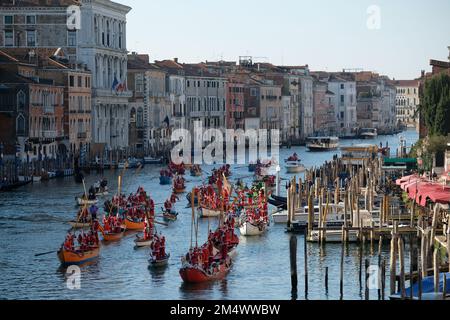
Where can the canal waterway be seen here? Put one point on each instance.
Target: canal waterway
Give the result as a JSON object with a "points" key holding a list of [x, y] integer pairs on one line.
{"points": [[34, 220]]}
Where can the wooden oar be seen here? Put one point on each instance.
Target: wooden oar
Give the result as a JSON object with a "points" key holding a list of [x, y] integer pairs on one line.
{"points": [[45, 253], [161, 223]]}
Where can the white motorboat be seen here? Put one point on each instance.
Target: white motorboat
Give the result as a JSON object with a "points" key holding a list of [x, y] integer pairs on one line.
{"points": [[322, 143], [368, 133], [294, 167]]}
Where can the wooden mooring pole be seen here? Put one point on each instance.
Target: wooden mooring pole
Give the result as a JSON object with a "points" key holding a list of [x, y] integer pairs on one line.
{"points": [[366, 286], [306, 267], [293, 258]]}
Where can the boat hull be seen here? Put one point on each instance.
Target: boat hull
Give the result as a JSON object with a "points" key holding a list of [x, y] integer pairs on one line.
{"points": [[159, 263], [249, 230], [194, 275], [295, 169], [131, 225], [170, 217], [73, 258], [321, 149], [196, 173], [209, 213], [79, 225], [82, 202], [178, 191], [140, 242], [113, 236]]}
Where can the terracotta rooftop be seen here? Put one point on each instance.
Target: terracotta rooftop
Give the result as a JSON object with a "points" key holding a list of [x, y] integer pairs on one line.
{"points": [[406, 83]]}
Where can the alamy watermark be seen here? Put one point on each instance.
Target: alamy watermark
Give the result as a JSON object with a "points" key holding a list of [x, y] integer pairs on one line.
{"points": [[374, 17], [73, 278], [207, 146], [73, 18]]}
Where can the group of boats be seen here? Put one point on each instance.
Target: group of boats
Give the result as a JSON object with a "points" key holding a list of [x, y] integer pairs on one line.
{"points": [[122, 214], [133, 163]]}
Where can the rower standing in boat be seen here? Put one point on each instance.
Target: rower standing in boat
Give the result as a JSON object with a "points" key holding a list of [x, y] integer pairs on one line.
{"points": [[93, 211], [174, 198]]}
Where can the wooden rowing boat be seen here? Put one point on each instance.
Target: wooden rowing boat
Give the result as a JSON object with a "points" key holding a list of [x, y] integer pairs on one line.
{"points": [[209, 213], [86, 202], [131, 225], [170, 216], [141, 242], [113, 236], [249, 229], [155, 263], [195, 275], [180, 190], [79, 225], [77, 257]]}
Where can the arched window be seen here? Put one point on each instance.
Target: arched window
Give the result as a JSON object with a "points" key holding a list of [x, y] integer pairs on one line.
{"points": [[21, 99], [133, 115], [20, 125], [108, 32], [140, 118], [120, 36]]}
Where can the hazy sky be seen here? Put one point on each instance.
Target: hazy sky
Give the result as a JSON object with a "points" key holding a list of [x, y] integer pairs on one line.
{"points": [[325, 34]]}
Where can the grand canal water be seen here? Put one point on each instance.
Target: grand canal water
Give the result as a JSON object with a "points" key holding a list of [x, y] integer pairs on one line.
{"points": [[34, 220]]}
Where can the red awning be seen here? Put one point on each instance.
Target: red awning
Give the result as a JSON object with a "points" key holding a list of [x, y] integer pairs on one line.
{"points": [[420, 189]]}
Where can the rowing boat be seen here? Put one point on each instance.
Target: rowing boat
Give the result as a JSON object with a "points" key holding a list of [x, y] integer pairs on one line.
{"points": [[157, 263], [131, 225], [192, 274], [68, 257], [249, 229], [170, 216], [84, 202], [113, 236], [179, 190], [294, 167], [79, 225], [209, 213], [141, 242]]}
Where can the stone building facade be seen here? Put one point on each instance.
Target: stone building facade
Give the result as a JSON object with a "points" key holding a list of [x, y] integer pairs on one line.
{"points": [[407, 102], [102, 47]]}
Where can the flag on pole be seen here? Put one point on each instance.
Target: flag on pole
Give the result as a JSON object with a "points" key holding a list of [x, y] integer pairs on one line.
{"points": [[115, 84]]}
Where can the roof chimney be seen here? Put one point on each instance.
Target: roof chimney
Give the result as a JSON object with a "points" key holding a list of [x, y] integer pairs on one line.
{"points": [[175, 60], [423, 73]]}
